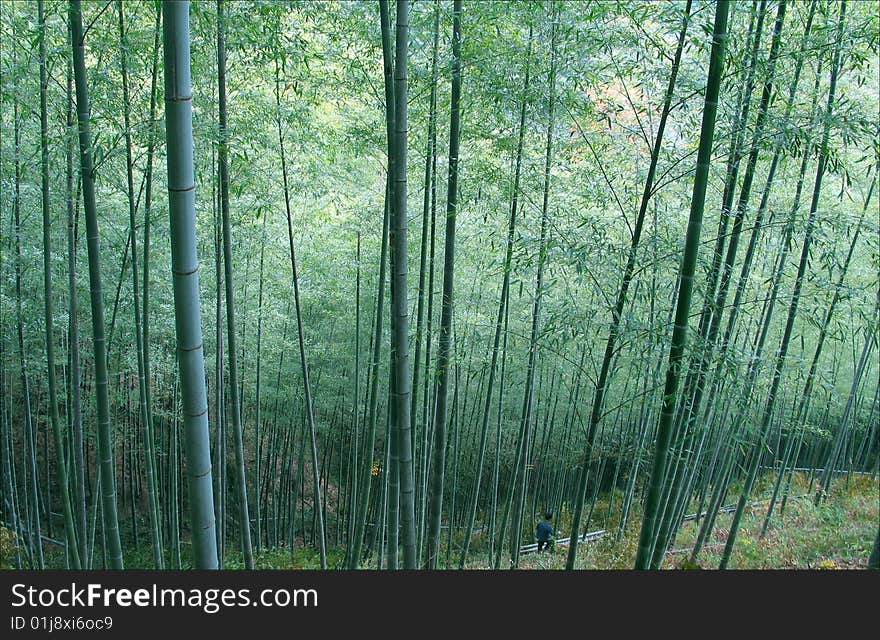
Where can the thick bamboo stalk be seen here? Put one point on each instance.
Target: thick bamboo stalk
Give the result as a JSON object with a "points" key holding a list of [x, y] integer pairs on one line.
{"points": [[184, 265]]}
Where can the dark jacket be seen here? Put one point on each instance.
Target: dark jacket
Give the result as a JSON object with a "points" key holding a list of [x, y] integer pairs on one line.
{"points": [[545, 531]]}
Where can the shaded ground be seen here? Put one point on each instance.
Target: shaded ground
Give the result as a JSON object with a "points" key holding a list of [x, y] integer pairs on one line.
{"points": [[838, 534]]}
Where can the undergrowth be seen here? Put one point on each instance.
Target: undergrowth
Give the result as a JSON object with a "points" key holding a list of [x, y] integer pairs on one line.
{"points": [[836, 534]]}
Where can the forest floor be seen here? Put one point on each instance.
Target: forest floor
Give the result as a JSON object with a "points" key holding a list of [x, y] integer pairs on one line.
{"points": [[837, 534]]}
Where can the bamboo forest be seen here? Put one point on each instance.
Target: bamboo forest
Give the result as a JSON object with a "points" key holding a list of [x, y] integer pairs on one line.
{"points": [[439, 284]]}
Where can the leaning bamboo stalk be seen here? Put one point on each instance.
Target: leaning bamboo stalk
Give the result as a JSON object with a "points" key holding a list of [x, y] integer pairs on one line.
{"points": [[686, 277], [105, 444], [60, 463]]}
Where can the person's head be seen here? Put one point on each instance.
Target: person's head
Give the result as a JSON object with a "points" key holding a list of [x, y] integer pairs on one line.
{"points": [[548, 515]]}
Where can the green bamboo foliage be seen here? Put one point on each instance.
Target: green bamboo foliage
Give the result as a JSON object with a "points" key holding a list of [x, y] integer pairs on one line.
{"points": [[373, 395], [220, 435], [184, 268], [399, 307], [7, 460], [686, 280], [726, 467], [742, 203], [443, 349], [258, 437], [7, 487], [427, 400], [808, 383], [309, 407], [767, 414], [105, 443], [765, 197], [29, 456], [529, 396], [74, 368], [676, 493], [837, 452], [427, 211], [771, 171], [60, 464], [503, 305], [352, 506], [307, 387], [389, 469], [140, 344], [735, 155], [392, 476], [364, 488], [148, 212], [581, 124], [222, 156], [174, 489], [617, 313]]}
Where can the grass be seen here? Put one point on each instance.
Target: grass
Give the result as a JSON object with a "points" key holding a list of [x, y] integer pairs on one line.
{"points": [[837, 534]]}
